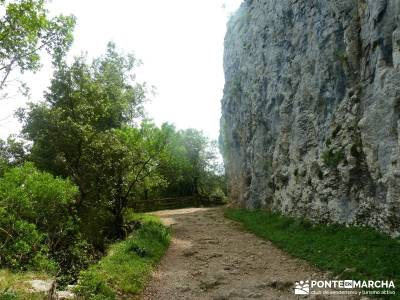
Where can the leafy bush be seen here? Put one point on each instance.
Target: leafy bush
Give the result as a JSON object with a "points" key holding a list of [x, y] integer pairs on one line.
{"points": [[74, 255], [92, 286], [37, 223], [23, 245], [39, 198]]}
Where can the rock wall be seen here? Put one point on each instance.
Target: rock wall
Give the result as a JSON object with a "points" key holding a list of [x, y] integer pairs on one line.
{"points": [[311, 109]]}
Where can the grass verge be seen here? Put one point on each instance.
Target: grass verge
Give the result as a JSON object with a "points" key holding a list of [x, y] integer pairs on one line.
{"points": [[128, 264], [357, 253], [15, 285]]}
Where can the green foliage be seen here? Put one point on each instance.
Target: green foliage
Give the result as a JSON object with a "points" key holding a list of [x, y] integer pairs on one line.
{"points": [[25, 30], [128, 264], [13, 152], [23, 246], [38, 227], [84, 130], [73, 255], [92, 286], [125, 166], [8, 295], [372, 255], [189, 165], [15, 285], [38, 198], [34, 216], [332, 158]]}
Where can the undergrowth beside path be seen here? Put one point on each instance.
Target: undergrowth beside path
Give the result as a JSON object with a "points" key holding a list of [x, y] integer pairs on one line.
{"points": [[15, 285], [128, 264]]}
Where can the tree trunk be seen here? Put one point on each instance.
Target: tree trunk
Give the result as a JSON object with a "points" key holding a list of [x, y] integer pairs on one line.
{"points": [[119, 226]]}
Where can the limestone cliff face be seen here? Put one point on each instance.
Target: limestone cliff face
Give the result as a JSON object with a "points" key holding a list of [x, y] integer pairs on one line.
{"points": [[311, 109]]}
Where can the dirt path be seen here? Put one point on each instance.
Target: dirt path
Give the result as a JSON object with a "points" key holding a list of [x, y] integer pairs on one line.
{"points": [[213, 258]]}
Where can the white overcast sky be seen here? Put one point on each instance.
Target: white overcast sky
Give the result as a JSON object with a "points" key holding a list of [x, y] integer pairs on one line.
{"points": [[179, 41]]}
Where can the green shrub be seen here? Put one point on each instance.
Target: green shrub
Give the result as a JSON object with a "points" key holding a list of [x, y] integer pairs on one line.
{"points": [[8, 294], [39, 198], [22, 246], [74, 256], [3, 166], [92, 286], [38, 226]]}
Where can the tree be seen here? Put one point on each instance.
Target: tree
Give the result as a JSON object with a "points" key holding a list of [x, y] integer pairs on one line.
{"points": [[84, 130], [84, 101], [127, 166], [195, 144], [174, 166], [26, 30], [190, 165], [13, 152]]}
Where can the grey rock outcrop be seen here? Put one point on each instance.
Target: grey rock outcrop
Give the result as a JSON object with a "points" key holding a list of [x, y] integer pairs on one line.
{"points": [[311, 109], [45, 287], [48, 289], [61, 295]]}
